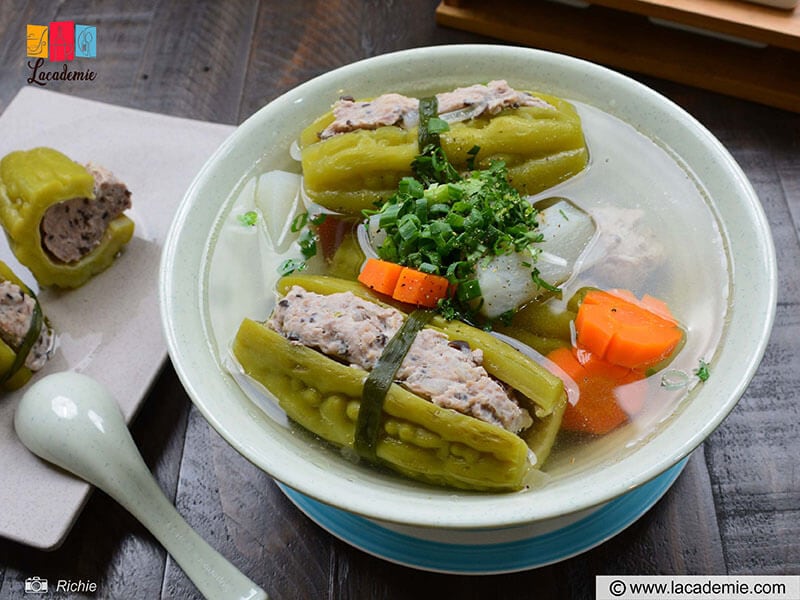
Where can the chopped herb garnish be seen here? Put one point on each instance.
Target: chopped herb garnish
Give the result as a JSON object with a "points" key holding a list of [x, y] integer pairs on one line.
{"points": [[290, 265], [506, 318], [299, 222], [432, 166], [542, 283], [308, 243], [428, 111], [249, 218], [307, 240], [702, 371], [437, 125], [446, 224], [318, 219]]}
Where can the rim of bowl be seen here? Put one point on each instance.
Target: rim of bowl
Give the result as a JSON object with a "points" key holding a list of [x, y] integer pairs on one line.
{"points": [[752, 260]]}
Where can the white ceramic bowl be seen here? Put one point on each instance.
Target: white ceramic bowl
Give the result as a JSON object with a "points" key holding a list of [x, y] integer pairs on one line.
{"points": [[262, 142]]}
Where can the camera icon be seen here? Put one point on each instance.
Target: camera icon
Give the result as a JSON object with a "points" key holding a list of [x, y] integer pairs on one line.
{"points": [[35, 585]]}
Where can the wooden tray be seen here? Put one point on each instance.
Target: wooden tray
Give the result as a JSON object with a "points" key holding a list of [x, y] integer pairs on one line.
{"points": [[729, 46]]}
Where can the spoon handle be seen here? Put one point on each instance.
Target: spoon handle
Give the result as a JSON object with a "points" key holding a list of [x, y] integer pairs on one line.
{"points": [[213, 575], [72, 421]]}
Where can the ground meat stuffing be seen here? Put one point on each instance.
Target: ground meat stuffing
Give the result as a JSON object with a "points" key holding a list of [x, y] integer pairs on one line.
{"points": [[492, 98], [73, 228], [396, 109], [355, 331], [389, 109], [16, 311], [627, 248]]}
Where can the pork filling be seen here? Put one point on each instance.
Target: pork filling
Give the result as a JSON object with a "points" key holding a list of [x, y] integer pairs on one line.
{"points": [[73, 228], [355, 331], [396, 109], [16, 312]]}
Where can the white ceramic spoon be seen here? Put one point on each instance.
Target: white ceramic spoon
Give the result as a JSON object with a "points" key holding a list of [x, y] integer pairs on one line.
{"points": [[72, 421]]}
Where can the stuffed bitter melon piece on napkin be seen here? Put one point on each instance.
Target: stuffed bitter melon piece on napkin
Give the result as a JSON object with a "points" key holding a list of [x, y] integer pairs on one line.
{"points": [[26, 339], [64, 221]]}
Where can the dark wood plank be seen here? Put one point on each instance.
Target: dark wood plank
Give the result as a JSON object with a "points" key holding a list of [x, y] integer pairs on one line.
{"points": [[751, 457], [241, 512], [300, 41], [178, 58], [14, 17]]}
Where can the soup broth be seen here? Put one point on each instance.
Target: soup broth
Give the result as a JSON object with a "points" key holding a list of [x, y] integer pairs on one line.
{"points": [[657, 234]]}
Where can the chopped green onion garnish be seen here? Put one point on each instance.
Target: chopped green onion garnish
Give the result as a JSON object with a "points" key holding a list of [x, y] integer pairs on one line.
{"points": [[388, 216], [308, 243], [299, 222], [318, 219], [408, 227], [468, 290], [428, 109], [427, 267], [290, 265], [249, 218], [444, 223], [542, 283], [702, 371], [437, 125]]}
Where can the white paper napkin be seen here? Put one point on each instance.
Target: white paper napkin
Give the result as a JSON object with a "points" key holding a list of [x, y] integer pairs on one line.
{"points": [[111, 327]]}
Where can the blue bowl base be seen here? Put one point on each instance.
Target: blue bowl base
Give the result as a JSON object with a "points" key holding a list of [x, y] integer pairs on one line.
{"points": [[488, 558]]}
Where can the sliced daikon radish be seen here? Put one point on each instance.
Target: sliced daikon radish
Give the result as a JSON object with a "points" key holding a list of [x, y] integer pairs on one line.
{"points": [[278, 199], [567, 231], [506, 282]]}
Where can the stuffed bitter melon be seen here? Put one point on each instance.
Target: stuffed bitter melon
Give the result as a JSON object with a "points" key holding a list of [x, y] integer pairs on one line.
{"points": [[542, 144], [63, 221], [418, 438], [26, 339]]}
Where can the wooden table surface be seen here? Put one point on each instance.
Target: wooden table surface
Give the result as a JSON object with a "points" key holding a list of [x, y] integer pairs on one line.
{"points": [[736, 507]]}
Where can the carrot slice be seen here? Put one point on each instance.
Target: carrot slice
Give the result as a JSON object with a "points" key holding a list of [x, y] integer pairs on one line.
{"points": [[626, 333], [422, 289], [404, 284], [648, 302], [380, 275], [598, 409]]}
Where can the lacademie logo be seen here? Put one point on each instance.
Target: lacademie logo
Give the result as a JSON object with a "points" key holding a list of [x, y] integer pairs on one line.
{"points": [[61, 41]]}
